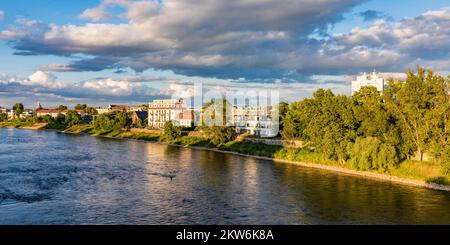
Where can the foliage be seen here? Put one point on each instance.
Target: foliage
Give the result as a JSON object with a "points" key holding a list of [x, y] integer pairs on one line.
{"points": [[216, 112], [72, 118], [171, 131], [61, 107], [112, 121], [81, 107], [3, 117], [372, 154], [409, 117], [18, 109], [91, 111], [219, 135]]}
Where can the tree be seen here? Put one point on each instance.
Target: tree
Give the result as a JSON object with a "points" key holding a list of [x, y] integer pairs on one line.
{"points": [[18, 109], [414, 103], [72, 118], [171, 131], [282, 109], [372, 154], [3, 117], [91, 111], [219, 135], [122, 120], [81, 107], [61, 107], [374, 120], [216, 112], [325, 121], [294, 122]]}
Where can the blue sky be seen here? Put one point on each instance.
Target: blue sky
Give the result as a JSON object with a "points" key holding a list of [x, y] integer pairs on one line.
{"points": [[119, 51]]}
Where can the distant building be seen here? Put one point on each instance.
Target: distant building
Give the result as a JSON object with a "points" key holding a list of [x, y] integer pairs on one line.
{"points": [[256, 121], [118, 108], [185, 119], [123, 108], [162, 111], [101, 110], [55, 112], [26, 114], [372, 79]]}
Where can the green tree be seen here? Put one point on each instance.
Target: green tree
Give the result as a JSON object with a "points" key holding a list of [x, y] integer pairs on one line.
{"points": [[217, 112], [372, 154], [328, 123], [61, 107], [374, 120], [18, 109], [91, 111], [219, 135], [414, 104], [171, 131], [3, 117], [282, 109], [81, 107], [72, 118], [122, 120]]}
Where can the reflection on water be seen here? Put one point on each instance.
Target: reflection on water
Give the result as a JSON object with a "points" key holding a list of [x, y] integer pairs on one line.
{"points": [[52, 178]]}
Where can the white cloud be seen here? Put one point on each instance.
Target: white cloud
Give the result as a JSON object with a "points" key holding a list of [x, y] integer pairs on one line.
{"points": [[96, 14], [2, 15], [44, 79]]}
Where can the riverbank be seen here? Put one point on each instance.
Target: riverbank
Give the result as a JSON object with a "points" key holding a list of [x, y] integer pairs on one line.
{"points": [[422, 174]]}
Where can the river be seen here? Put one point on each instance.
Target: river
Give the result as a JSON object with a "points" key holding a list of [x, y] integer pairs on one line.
{"points": [[52, 178]]}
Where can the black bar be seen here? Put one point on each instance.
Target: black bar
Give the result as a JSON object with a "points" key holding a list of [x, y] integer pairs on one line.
{"points": [[126, 234]]}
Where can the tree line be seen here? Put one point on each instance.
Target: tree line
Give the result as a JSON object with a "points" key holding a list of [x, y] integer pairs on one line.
{"points": [[375, 130]]}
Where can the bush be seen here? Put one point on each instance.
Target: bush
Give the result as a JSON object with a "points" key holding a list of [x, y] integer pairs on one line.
{"points": [[219, 135], [372, 154], [3, 117], [171, 131]]}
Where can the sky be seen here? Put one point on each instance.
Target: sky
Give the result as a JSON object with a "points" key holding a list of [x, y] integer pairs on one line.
{"points": [[131, 52]]}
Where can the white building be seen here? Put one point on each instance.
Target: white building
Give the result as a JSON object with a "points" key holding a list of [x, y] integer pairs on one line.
{"points": [[184, 119], [256, 121], [372, 79], [162, 111]]}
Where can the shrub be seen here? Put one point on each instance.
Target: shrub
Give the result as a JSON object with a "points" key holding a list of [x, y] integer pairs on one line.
{"points": [[372, 154]]}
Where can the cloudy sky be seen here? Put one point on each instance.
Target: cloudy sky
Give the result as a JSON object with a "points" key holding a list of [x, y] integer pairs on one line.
{"points": [[124, 51]]}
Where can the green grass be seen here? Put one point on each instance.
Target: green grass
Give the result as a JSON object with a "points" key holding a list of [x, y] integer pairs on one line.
{"points": [[17, 124], [421, 170], [257, 149]]}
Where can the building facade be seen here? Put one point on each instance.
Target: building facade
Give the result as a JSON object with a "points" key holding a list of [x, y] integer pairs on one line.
{"points": [[372, 79], [55, 112], [162, 111], [184, 119], [256, 121]]}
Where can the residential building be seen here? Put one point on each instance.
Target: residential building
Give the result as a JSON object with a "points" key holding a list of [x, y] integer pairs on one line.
{"points": [[112, 108], [118, 108], [55, 112], [162, 111], [101, 110], [26, 113], [373, 79], [185, 119], [256, 121]]}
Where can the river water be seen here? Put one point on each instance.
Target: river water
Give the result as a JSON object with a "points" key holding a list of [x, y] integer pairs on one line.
{"points": [[52, 178]]}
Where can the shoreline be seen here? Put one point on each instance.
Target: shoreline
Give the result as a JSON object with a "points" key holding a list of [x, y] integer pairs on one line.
{"points": [[362, 174]]}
